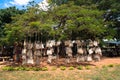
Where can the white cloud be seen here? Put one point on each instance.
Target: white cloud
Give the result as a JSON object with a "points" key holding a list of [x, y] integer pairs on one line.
{"points": [[19, 2], [44, 5], [7, 5]]}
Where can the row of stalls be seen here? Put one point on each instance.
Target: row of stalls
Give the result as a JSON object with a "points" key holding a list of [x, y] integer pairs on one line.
{"points": [[32, 53]]}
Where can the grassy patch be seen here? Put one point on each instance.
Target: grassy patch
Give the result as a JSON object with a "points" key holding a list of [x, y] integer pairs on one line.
{"points": [[110, 65], [8, 68], [36, 69], [104, 73], [104, 66], [63, 68], [71, 68], [87, 67], [44, 69], [21, 68], [80, 67], [54, 68]]}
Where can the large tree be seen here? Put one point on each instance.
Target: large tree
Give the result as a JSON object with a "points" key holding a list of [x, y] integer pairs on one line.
{"points": [[68, 20], [5, 18], [80, 21], [111, 15], [33, 21]]}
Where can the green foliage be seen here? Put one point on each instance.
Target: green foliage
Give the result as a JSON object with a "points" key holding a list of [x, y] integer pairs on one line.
{"points": [[94, 74], [8, 68], [7, 14], [28, 69], [71, 68], [21, 68], [36, 69], [5, 18], [44, 69], [107, 4], [110, 65], [106, 73], [104, 66], [80, 67], [62, 68], [22, 26], [54, 68], [87, 67], [70, 19], [77, 20]]}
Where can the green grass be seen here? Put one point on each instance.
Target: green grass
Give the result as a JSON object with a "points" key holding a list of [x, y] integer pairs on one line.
{"points": [[63, 68], [111, 65], [20, 68], [54, 68], [80, 67], [87, 67], [71, 68], [104, 73], [44, 69]]}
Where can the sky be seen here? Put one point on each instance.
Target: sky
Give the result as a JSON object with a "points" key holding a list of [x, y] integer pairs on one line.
{"points": [[18, 3]]}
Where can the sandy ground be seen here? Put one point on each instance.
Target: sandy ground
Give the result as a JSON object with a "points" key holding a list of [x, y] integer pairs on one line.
{"points": [[107, 61], [59, 74], [104, 61]]}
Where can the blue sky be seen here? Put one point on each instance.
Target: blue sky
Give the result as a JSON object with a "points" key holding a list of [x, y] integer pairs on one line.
{"points": [[17, 3]]}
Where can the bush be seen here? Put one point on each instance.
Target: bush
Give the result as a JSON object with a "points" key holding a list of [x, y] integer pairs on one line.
{"points": [[80, 67], [87, 67], [111, 65], [71, 68], [63, 68], [21, 68], [44, 69], [28, 69], [104, 66], [16, 68], [8, 68], [36, 69], [54, 68]]}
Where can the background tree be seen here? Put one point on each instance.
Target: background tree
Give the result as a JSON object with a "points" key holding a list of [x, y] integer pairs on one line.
{"points": [[5, 18], [68, 19], [75, 20], [112, 15], [33, 21]]}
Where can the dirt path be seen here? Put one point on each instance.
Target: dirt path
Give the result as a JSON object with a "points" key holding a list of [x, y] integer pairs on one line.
{"points": [[107, 61], [104, 61]]}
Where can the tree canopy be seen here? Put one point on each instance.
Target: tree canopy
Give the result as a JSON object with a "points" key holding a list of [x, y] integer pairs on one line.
{"points": [[68, 19], [6, 18]]}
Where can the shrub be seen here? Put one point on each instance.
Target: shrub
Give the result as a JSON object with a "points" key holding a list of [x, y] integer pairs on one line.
{"points": [[111, 65], [21, 68], [36, 69], [54, 68], [71, 68], [96, 67], [80, 67], [87, 67], [104, 66], [16, 68], [8, 68], [44, 69], [63, 68], [28, 69]]}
